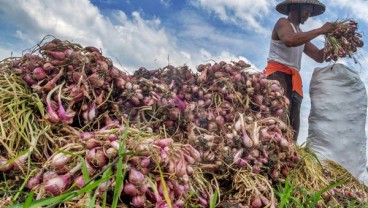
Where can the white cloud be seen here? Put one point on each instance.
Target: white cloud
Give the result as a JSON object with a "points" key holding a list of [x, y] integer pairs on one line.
{"points": [[165, 3], [197, 28], [350, 9], [71, 20], [245, 14]]}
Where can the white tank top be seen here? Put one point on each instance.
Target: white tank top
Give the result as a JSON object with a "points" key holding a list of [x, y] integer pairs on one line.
{"points": [[289, 56]]}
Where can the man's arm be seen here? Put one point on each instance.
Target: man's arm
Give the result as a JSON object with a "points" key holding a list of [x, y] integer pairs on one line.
{"points": [[286, 34], [312, 51]]}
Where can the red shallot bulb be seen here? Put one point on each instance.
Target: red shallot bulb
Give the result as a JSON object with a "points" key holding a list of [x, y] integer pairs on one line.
{"points": [[60, 160], [138, 201], [92, 143], [38, 73], [203, 201], [3, 166], [111, 153], [96, 157], [57, 185], [35, 180], [145, 162], [56, 54], [130, 189], [135, 177], [48, 175], [48, 67], [256, 202], [163, 142], [79, 182]]}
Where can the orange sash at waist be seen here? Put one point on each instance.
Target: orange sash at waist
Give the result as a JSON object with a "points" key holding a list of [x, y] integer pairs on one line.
{"points": [[296, 79]]}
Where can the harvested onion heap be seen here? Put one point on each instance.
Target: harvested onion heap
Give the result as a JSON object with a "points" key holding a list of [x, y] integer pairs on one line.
{"points": [[229, 115], [344, 41], [223, 120], [143, 186], [226, 113], [75, 83]]}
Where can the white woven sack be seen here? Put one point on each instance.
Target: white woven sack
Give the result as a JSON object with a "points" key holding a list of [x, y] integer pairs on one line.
{"points": [[337, 118]]}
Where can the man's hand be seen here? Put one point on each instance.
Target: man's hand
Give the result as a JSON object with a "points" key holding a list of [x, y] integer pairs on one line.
{"points": [[327, 27]]}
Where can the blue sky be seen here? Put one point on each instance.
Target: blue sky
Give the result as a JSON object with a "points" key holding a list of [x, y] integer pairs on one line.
{"points": [[154, 33]]}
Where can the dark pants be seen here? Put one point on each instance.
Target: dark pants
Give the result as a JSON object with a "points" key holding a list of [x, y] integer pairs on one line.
{"points": [[294, 98]]}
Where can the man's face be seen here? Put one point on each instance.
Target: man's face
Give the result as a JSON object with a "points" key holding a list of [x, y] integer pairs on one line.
{"points": [[306, 11]]}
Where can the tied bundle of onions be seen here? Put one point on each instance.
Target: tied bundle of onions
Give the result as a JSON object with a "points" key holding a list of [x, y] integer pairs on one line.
{"points": [[343, 41]]}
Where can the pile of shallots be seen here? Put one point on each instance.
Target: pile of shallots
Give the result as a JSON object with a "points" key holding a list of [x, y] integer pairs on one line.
{"points": [[142, 185], [221, 119], [229, 115], [76, 84]]}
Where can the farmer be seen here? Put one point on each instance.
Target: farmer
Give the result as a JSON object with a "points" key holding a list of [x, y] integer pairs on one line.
{"points": [[288, 43]]}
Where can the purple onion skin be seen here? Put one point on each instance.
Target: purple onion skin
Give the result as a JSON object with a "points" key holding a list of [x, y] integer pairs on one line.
{"points": [[39, 73], [49, 175], [179, 204], [5, 168], [203, 202], [130, 189], [35, 180], [60, 160], [162, 204], [96, 157], [135, 177], [138, 201], [51, 115], [79, 182], [57, 55], [57, 185]]}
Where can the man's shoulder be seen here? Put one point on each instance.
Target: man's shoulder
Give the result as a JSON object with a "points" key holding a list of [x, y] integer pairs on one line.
{"points": [[282, 22], [283, 19]]}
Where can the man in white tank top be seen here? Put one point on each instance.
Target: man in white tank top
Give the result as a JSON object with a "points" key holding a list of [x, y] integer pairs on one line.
{"points": [[288, 43]]}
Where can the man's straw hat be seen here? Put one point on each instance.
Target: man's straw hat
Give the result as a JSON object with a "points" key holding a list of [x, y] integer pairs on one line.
{"points": [[318, 7]]}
